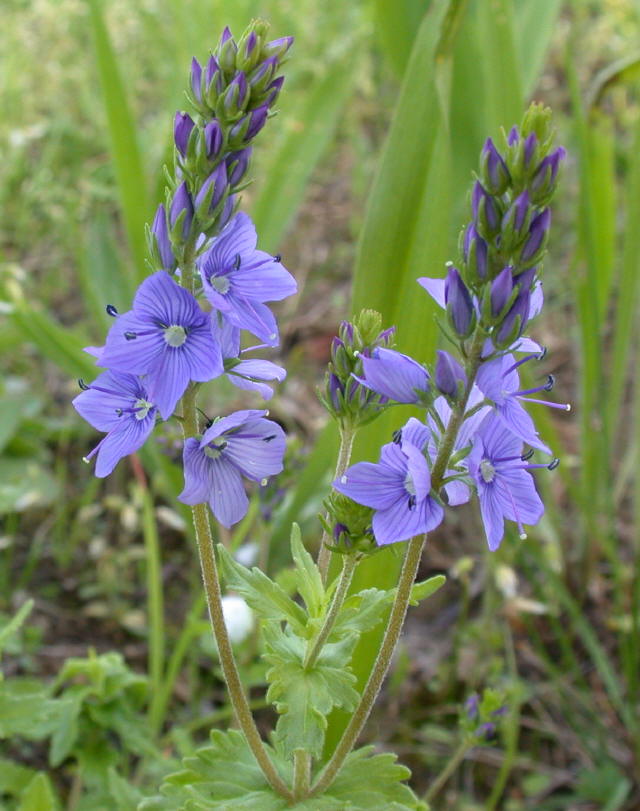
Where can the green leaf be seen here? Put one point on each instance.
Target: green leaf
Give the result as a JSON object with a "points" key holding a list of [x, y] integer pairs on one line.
{"points": [[361, 612], [266, 598], [66, 730], [38, 795], [122, 793], [420, 591], [26, 709], [373, 783], [304, 697], [16, 405], [13, 626], [535, 22], [24, 483], [222, 775], [395, 27], [125, 151], [309, 581], [311, 128]]}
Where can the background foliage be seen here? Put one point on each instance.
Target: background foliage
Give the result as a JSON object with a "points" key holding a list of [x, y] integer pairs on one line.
{"points": [[361, 185]]}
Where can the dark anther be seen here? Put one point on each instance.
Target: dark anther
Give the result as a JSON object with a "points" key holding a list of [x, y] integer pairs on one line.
{"points": [[83, 385], [277, 258], [412, 502], [268, 438], [526, 456], [111, 310], [553, 464], [543, 353], [397, 436], [130, 336], [119, 412], [551, 381], [236, 263]]}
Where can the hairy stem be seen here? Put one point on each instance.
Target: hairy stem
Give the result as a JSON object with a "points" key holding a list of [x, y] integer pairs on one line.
{"points": [[213, 592], [301, 773], [383, 660], [347, 435], [348, 568], [407, 576]]}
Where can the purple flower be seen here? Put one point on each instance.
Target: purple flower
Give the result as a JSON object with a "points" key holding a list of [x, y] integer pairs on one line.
{"points": [[475, 252], [537, 238], [459, 304], [496, 174], [165, 336], [249, 374], [277, 47], [249, 125], [501, 289], [181, 210], [237, 279], [505, 488], [394, 375], [242, 444], [213, 139], [237, 165], [119, 405], [544, 178], [499, 381], [196, 79], [211, 192], [397, 488]]}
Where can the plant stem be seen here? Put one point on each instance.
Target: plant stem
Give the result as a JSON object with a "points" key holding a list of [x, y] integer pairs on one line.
{"points": [[301, 773], [446, 773], [213, 593], [347, 435], [383, 660], [348, 568], [407, 576]]}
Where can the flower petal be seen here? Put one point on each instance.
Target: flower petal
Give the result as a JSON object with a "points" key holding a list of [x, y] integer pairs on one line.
{"points": [[256, 449], [374, 485], [122, 441], [227, 498], [435, 288], [492, 515]]}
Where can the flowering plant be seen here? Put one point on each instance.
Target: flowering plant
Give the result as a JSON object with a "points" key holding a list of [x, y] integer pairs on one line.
{"points": [[209, 283]]}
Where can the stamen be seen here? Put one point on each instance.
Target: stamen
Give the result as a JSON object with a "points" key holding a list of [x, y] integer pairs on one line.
{"points": [[507, 459], [83, 385], [411, 502], [396, 436], [561, 406], [130, 336], [535, 356], [543, 354], [277, 258], [236, 262], [526, 456], [111, 310], [546, 387], [268, 438], [553, 464]]}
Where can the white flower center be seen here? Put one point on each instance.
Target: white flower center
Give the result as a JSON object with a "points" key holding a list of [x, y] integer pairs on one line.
{"points": [[142, 408], [409, 486], [220, 283], [487, 471], [213, 451], [175, 335]]}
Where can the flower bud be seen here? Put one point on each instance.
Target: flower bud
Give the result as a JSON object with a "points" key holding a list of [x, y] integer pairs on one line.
{"points": [[486, 213], [277, 48], [248, 50], [529, 149], [513, 137], [515, 223], [182, 128], [263, 74], [226, 52], [213, 139], [501, 289], [459, 304], [336, 392], [181, 213], [211, 192], [536, 241], [214, 82], [273, 91], [237, 165], [196, 79], [515, 320], [161, 241], [234, 99], [474, 251], [449, 376], [543, 182], [495, 175], [249, 126]]}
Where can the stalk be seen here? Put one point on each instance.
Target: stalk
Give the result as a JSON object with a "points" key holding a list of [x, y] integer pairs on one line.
{"points": [[213, 592], [403, 593], [347, 435]]}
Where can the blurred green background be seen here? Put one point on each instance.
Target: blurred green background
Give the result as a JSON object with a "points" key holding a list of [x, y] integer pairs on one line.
{"points": [[361, 184]]}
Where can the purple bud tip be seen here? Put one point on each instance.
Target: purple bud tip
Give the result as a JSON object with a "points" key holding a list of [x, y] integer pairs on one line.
{"points": [[196, 79], [513, 137], [237, 165], [338, 531], [161, 233], [226, 35], [386, 336], [336, 389], [181, 202], [212, 68], [252, 41], [530, 143], [448, 373], [213, 139], [215, 186], [458, 301], [472, 704], [501, 289], [537, 233], [521, 206], [336, 344], [182, 127]]}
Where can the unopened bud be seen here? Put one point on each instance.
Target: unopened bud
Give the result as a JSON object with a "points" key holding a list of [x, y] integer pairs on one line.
{"points": [[449, 375], [459, 304], [495, 175]]}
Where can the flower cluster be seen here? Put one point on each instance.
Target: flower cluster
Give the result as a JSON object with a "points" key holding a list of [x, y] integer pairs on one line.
{"points": [[210, 282], [476, 425]]}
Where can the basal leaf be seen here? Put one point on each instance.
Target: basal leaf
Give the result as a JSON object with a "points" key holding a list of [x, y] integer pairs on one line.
{"points": [[266, 598], [420, 591], [38, 795], [13, 626]]}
